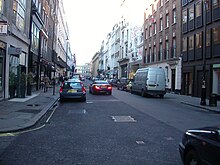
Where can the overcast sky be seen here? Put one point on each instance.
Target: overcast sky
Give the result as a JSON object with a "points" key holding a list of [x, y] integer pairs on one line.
{"points": [[89, 21]]}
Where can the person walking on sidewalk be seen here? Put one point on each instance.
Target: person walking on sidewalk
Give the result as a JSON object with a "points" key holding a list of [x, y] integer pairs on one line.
{"points": [[46, 83]]}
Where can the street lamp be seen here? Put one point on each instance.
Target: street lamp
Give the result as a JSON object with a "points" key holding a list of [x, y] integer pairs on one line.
{"points": [[203, 94]]}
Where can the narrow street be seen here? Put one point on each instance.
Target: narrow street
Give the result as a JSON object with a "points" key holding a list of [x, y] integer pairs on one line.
{"points": [[122, 129]]}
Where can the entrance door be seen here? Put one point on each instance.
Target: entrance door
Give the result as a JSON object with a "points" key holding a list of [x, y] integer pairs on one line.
{"points": [[173, 79]]}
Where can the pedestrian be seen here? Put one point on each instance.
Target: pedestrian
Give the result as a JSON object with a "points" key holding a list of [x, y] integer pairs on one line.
{"points": [[61, 80], [46, 83]]}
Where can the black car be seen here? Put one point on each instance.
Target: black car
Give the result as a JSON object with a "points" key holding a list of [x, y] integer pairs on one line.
{"points": [[122, 83], [201, 146]]}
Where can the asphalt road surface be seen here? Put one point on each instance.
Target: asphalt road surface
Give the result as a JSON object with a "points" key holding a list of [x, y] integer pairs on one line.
{"points": [[121, 129]]}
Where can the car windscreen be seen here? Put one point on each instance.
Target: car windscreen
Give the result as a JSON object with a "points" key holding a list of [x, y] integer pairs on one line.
{"points": [[101, 82], [71, 85]]}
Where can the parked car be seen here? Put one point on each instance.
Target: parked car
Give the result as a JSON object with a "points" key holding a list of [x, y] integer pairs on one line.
{"points": [[201, 146], [100, 86], [150, 81], [113, 82], [129, 86], [72, 89], [122, 83]]}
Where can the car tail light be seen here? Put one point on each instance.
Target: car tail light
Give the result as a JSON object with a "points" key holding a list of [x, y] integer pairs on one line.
{"points": [[109, 87], [83, 89], [97, 87], [61, 89]]}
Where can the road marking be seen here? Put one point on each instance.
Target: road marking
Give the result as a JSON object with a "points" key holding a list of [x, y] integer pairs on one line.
{"points": [[7, 134], [123, 119], [89, 102], [140, 142]]}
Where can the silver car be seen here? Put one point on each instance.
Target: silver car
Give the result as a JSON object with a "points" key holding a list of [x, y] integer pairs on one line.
{"points": [[72, 89]]}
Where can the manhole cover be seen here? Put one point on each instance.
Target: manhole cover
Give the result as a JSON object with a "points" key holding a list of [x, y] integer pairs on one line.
{"points": [[29, 111], [78, 111], [33, 105], [123, 119]]}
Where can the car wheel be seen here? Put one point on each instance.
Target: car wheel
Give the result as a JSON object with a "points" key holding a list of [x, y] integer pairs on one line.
{"points": [[142, 93], [110, 93], [161, 96], [84, 99], [192, 158], [131, 91], [61, 100]]}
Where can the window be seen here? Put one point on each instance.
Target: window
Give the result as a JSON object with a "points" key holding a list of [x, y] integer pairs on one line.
{"points": [[199, 40], [167, 20], [184, 46], [35, 38], [198, 9], [19, 7], [174, 16], [1, 6], [161, 3], [150, 31], [191, 42], [167, 50], [146, 34], [150, 52], [161, 24], [174, 48], [208, 37], [154, 28], [126, 50], [155, 53], [191, 13], [184, 16], [216, 3], [216, 35], [161, 52]]}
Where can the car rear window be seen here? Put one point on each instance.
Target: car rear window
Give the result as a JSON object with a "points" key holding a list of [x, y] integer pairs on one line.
{"points": [[71, 85], [101, 82]]}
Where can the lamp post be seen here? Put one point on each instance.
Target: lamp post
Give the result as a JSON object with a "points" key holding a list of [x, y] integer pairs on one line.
{"points": [[203, 94]]}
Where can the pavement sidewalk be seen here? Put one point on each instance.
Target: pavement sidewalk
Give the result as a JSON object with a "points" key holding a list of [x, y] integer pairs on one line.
{"points": [[20, 113]]}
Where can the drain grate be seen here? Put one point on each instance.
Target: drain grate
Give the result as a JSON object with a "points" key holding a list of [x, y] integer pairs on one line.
{"points": [[29, 111], [123, 119], [78, 111]]}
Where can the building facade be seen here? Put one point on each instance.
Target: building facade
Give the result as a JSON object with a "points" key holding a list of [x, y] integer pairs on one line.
{"points": [[29, 44], [201, 47], [162, 40]]}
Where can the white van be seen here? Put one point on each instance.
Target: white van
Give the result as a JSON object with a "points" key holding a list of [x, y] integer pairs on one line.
{"points": [[149, 81]]}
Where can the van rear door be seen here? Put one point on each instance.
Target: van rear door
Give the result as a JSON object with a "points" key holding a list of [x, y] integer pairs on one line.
{"points": [[152, 80]]}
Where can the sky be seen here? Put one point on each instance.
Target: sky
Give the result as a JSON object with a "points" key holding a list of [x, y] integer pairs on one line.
{"points": [[89, 22]]}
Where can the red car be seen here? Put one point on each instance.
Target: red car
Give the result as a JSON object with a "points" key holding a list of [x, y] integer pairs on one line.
{"points": [[100, 86]]}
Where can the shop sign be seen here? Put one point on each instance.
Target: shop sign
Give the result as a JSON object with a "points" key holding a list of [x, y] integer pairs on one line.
{"points": [[15, 51], [3, 27]]}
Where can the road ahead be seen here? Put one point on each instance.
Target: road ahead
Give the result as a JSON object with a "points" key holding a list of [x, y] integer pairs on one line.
{"points": [[122, 129]]}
